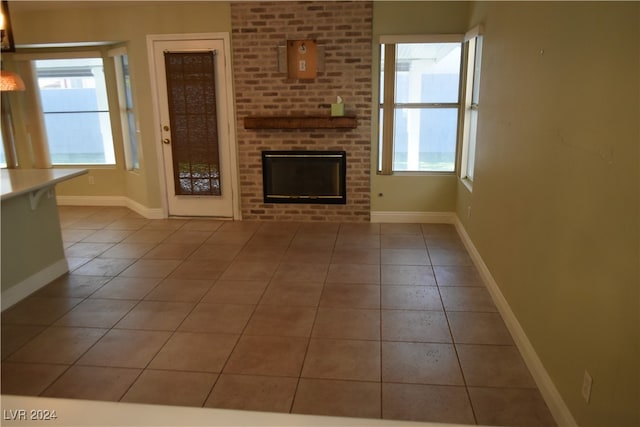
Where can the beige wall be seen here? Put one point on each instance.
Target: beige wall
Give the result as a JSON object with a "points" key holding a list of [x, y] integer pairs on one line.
{"points": [[554, 208], [415, 193], [66, 22]]}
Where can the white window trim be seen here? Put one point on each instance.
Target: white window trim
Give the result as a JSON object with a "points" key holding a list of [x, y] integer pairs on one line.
{"points": [[421, 38], [116, 53], [42, 154], [470, 39], [57, 55], [385, 161], [476, 31]]}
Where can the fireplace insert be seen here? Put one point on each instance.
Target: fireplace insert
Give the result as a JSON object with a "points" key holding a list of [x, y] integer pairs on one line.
{"points": [[304, 176]]}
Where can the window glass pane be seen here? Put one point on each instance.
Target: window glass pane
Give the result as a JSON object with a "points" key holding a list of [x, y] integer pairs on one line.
{"points": [[76, 112], [380, 133], [475, 46], [72, 143], [3, 159], [131, 128], [425, 139], [471, 150], [127, 82], [130, 138], [428, 72], [381, 74], [475, 94]]}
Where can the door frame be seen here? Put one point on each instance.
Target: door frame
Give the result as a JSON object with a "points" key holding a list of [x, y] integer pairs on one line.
{"points": [[230, 127]]}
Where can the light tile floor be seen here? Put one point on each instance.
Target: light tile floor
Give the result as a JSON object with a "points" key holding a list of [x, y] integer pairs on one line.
{"points": [[364, 320]]}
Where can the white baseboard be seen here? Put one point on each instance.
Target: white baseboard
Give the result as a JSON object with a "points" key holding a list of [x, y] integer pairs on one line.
{"points": [[547, 388], [149, 213], [91, 200], [33, 283], [413, 217]]}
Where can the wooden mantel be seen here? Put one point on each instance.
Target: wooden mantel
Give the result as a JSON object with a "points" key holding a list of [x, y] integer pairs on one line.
{"points": [[300, 122]]}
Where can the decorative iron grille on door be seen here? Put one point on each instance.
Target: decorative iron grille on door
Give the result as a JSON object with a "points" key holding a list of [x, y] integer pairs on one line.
{"points": [[194, 123]]}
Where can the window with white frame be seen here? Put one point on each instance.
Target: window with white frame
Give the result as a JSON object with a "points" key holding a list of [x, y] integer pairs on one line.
{"points": [[419, 103], [127, 113], [473, 41], [75, 108]]}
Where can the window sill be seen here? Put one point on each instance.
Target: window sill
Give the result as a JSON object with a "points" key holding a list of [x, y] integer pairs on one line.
{"points": [[105, 167], [418, 173], [467, 183]]}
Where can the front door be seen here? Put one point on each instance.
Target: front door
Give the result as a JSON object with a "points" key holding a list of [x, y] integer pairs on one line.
{"points": [[193, 88]]}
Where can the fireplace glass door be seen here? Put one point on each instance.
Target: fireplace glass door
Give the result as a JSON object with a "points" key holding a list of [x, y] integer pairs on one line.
{"points": [[304, 176]]}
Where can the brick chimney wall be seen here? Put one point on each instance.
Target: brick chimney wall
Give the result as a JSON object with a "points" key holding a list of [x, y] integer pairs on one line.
{"points": [[344, 29]]}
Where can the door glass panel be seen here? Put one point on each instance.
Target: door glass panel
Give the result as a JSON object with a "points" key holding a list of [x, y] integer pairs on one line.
{"points": [[194, 123]]}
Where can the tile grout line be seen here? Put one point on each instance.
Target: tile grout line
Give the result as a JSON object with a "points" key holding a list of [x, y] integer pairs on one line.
{"points": [[455, 349], [207, 397], [313, 324], [241, 333], [172, 334], [114, 327], [74, 363]]}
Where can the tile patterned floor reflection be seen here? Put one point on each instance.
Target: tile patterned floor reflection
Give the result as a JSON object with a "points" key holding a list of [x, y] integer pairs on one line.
{"points": [[365, 320]]}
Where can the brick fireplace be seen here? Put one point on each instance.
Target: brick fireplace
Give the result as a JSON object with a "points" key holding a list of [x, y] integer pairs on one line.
{"points": [[343, 30]]}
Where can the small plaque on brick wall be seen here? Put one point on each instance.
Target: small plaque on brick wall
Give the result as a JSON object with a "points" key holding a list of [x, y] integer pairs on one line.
{"points": [[283, 66], [302, 59]]}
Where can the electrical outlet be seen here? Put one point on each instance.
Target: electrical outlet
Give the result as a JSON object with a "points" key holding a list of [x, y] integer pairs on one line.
{"points": [[91, 180], [587, 382]]}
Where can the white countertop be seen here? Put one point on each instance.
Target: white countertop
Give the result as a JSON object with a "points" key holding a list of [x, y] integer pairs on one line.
{"points": [[14, 182]]}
